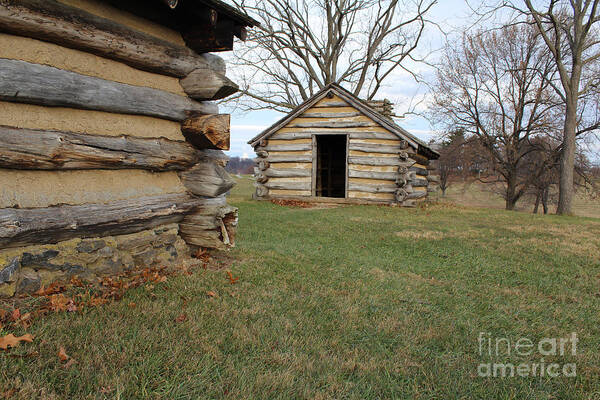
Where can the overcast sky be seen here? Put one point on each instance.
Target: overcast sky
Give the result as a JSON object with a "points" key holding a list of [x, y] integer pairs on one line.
{"points": [[400, 88]]}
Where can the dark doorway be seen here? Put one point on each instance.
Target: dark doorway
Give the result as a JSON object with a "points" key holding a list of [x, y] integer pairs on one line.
{"points": [[331, 166]]}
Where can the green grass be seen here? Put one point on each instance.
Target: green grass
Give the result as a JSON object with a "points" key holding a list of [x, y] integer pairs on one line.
{"points": [[355, 302]]}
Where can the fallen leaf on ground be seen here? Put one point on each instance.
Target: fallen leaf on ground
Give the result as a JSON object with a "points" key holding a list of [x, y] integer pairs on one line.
{"points": [[181, 318], [62, 354], [210, 293], [11, 340], [132, 305], [232, 280], [69, 363], [16, 314]]}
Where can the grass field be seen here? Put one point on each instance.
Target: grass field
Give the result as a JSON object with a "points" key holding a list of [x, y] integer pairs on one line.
{"points": [[355, 302]]}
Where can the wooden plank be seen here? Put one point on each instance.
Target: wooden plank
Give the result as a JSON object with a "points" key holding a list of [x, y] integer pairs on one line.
{"points": [[207, 178], [290, 165], [53, 150], [24, 82], [393, 161], [283, 193], [366, 197], [208, 131], [287, 173], [206, 84], [331, 124], [421, 159], [419, 182], [295, 158], [331, 114], [419, 171], [288, 185], [376, 148], [288, 147], [58, 23], [372, 174], [372, 188], [27, 226]]}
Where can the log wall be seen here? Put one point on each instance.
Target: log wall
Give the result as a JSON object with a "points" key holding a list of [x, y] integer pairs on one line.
{"points": [[285, 159], [92, 108]]}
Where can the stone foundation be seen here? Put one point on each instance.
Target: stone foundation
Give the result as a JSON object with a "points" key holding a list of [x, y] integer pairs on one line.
{"points": [[26, 269]]}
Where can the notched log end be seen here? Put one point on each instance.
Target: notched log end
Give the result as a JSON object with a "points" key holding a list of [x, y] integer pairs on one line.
{"points": [[208, 131]]}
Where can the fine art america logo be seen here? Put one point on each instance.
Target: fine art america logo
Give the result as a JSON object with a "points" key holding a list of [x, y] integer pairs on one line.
{"points": [[501, 348]]}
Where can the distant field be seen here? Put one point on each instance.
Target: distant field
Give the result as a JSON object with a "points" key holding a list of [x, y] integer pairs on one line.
{"points": [[476, 194], [352, 302]]}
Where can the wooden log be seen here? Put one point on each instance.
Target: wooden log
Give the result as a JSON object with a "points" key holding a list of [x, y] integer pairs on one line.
{"points": [[417, 195], [290, 158], [27, 226], [353, 135], [210, 228], [208, 131], [331, 124], [376, 148], [433, 178], [390, 161], [262, 153], [332, 114], [53, 150], [207, 179], [401, 195], [24, 82], [261, 177], [419, 171], [55, 22], [216, 156], [372, 188], [206, 84], [331, 103], [372, 175], [419, 182], [262, 164], [288, 185], [262, 191], [288, 147], [287, 173], [420, 159]]}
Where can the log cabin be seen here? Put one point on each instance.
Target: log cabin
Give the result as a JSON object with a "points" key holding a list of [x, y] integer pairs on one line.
{"points": [[337, 148], [111, 143]]}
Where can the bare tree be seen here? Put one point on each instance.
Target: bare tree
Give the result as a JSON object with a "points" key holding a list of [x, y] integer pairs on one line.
{"points": [[496, 86], [303, 45], [570, 31]]}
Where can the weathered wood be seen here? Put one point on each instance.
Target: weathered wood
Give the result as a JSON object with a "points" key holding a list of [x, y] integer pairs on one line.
{"points": [[343, 114], [332, 124], [331, 103], [21, 227], [376, 148], [210, 228], [391, 161], [421, 159], [24, 82], [353, 134], [416, 195], [401, 195], [419, 171], [262, 163], [217, 156], [208, 131], [287, 172], [288, 147], [419, 182], [53, 150], [54, 22], [262, 153], [262, 191], [372, 175], [433, 178], [288, 185], [206, 84], [372, 188], [290, 158], [261, 177], [207, 179]]}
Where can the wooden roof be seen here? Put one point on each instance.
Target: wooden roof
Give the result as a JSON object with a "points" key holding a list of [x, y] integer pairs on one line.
{"points": [[361, 106]]}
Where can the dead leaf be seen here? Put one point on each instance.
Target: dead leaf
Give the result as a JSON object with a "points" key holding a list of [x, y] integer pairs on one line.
{"points": [[232, 280], [71, 306], [69, 363], [62, 354], [132, 305], [210, 293], [181, 318], [11, 340], [16, 314]]}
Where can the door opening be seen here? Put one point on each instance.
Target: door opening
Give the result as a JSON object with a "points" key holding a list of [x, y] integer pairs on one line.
{"points": [[331, 166]]}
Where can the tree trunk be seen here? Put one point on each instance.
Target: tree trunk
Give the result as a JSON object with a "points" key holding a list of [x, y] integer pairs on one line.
{"points": [[511, 189], [567, 159], [545, 200], [538, 197]]}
